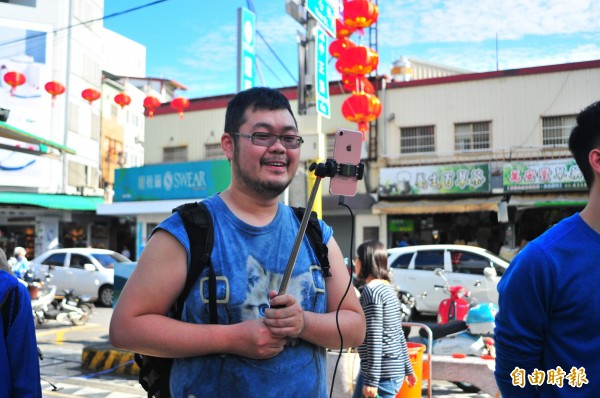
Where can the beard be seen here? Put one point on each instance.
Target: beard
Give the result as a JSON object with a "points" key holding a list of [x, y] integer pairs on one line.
{"points": [[265, 189]]}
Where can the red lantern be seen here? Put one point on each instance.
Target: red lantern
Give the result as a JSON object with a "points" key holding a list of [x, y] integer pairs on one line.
{"points": [[14, 80], [339, 45], [360, 13], [180, 104], [90, 95], [357, 84], [122, 99], [54, 88], [361, 108], [342, 30], [151, 103], [359, 60]]}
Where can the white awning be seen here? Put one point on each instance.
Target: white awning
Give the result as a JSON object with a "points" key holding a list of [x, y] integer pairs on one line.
{"points": [[141, 207], [466, 205]]}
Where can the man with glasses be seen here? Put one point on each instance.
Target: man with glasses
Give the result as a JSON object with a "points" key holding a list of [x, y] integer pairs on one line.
{"points": [[264, 344]]}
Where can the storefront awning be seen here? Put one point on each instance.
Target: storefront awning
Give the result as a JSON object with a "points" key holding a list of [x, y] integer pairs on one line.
{"points": [[466, 205], [548, 200], [63, 202], [13, 133], [141, 207]]}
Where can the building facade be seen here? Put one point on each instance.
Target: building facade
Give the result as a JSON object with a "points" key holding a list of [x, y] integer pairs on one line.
{"points": [[479, 158], [55, 150]]}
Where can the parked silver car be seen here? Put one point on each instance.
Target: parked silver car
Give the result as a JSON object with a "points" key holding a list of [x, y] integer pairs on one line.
{"points": [[476, 269], [87, 271]]}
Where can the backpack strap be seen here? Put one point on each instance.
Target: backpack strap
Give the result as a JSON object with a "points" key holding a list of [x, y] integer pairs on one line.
{"points": [[315, 237], [199, 228]]}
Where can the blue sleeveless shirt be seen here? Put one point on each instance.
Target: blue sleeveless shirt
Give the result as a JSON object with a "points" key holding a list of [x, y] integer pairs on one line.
{"points": [[249, 262]]}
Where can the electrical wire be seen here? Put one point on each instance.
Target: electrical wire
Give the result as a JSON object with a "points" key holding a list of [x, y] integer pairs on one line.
{"points": [[277, 56], [337, 312], [115, 14]]}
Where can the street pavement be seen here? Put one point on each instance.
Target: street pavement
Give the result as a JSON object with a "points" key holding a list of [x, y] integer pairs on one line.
{"points": [[63, 375]]}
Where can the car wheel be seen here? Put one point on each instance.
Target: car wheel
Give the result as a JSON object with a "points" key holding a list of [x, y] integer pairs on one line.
{"points": [[105, 296]]}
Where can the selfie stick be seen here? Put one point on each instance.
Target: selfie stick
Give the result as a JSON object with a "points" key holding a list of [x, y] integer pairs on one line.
{"points": [[327, 169], [292, 260]]}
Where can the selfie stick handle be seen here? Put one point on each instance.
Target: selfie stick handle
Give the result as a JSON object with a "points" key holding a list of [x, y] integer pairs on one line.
{"points": [[299, 236]]}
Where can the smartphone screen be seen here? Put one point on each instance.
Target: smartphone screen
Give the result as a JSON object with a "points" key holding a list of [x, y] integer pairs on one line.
{"points": [[346, 151]]}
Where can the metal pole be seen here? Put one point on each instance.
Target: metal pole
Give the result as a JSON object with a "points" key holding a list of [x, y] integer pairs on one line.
{"points": [[429, 348], [65, 168], [292, 260]]}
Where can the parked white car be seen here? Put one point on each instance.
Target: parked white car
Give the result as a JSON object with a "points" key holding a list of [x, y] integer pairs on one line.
{"points": [[476, 269], [89, 272]]}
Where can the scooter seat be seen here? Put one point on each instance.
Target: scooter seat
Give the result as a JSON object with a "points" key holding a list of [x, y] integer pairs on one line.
{"points": [[444, 329]]}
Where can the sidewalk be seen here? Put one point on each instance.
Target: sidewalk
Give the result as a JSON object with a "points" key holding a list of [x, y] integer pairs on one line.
{"points": [[106, 359]]}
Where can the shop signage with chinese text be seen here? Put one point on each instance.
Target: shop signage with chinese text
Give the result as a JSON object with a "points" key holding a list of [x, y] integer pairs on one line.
{"points": [[432, 180], [542, 175]]}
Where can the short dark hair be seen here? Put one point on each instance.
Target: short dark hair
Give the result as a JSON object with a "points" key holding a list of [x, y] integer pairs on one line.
{"points": [[373, 260], [257, 98], [585, 137]]}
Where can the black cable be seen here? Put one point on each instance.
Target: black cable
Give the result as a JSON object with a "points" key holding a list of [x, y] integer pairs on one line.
{"points": [[337, 312]]}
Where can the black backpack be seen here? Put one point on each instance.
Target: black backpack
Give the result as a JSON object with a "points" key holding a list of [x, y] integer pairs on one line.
{"points": [[155, 371]]}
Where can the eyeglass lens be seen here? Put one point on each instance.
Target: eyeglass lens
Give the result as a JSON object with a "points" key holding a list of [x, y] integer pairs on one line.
{"points": [[268, 139]]}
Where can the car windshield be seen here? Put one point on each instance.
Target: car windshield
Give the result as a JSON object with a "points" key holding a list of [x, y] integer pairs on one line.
{"points": [[108, 260]]}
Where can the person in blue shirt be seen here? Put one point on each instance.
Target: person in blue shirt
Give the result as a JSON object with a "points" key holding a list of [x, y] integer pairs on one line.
{"points": [[264, 344], [19, 263], [547, 340], [19, 362]]}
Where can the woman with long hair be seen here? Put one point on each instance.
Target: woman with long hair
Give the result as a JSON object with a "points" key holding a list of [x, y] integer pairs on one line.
{"points": [[384, 359]]}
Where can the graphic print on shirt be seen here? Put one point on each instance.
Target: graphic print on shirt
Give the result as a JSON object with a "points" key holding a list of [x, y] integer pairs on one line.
{"points": [[260, 282]]}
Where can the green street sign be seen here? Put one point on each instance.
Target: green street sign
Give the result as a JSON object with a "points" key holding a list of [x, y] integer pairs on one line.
{"points": [[324, 12]]}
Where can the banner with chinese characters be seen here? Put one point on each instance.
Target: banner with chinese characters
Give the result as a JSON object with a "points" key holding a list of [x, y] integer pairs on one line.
{"points": [[541, 175], [431, 180]]}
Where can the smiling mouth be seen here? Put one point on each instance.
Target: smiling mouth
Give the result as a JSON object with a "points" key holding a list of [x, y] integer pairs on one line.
{"points": [[275, 163]]}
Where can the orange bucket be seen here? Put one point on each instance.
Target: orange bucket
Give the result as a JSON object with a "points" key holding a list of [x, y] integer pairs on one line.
{"points": [[415, 352]]}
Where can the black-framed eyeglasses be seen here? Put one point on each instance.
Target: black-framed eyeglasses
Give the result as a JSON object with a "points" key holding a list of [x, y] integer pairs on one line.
{"points": [[268, 139]]}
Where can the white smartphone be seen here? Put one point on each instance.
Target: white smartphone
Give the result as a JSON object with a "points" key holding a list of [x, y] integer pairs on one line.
{"points": [[346, 152]]}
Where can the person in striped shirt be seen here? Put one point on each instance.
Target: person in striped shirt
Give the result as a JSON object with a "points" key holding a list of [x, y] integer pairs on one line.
{"points": [[384, 359]]}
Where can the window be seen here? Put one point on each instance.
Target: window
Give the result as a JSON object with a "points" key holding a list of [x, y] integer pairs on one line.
{"points": [[556, 130], [403, 261], [55, 260], [330, 140], [175, 154], [429, 260], [417, 139], [213, 151], [468, 263], [78, 261], [471, 136]]}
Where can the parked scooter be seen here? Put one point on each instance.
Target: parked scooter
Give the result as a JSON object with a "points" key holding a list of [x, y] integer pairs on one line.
{"points": [[68, 308], [463, 328], [457, 305], [42, 295]]}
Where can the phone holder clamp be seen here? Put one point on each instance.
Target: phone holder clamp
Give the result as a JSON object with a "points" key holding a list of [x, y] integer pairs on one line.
{"points": [[330, 168]]}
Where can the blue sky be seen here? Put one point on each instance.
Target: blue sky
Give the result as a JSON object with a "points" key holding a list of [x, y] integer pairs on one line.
{"points": [[194, 42]]}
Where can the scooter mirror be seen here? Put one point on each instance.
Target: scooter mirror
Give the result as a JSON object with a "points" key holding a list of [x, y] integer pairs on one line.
{"points": [[438, 272]]}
